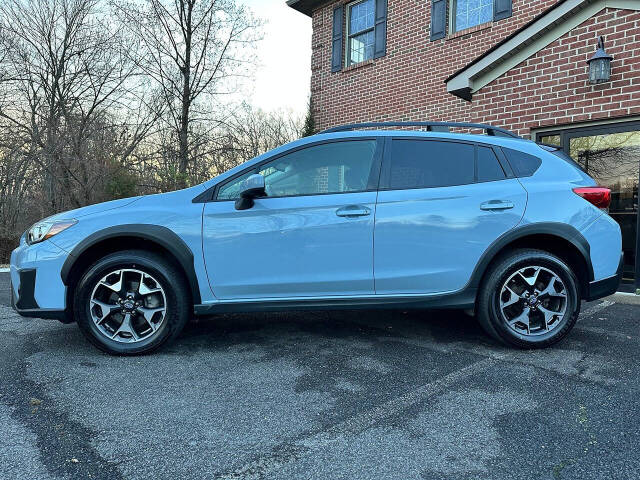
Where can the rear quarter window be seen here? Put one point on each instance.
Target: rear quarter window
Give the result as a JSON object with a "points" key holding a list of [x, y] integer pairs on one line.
{"points": [[523, 164]]}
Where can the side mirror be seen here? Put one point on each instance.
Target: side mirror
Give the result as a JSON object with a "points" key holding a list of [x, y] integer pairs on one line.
{"points": [[253, 187]]}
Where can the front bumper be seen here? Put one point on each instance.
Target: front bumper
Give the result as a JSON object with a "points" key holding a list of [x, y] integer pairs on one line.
{"points": [[25, 303], [606, 286], [36, 287]]}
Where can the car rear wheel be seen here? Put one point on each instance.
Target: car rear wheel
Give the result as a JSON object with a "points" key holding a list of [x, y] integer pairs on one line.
{"points": [[529, 299], [132, 302]]}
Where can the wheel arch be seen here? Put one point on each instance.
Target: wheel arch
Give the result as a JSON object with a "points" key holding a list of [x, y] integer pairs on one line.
{"points": [[122, 237], [559, 239]]}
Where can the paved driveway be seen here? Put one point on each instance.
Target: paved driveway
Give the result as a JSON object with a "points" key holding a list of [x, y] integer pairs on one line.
{"points": [[328, 395]]}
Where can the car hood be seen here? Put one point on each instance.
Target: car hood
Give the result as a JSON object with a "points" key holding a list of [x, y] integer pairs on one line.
{"points": [[93, 209]]}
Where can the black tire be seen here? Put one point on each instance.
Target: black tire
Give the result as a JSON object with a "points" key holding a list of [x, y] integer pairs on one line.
{"points": [[178, 300], [488, 309]]}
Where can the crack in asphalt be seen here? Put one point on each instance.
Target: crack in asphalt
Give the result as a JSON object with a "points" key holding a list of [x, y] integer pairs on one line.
{"points": [[579, 375]]}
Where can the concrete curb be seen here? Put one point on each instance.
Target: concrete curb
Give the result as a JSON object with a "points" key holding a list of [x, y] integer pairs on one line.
{"points": [[625, 298]]}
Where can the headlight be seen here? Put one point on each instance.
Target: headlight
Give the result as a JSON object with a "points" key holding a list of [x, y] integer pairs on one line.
{"points": [[47, 229]]}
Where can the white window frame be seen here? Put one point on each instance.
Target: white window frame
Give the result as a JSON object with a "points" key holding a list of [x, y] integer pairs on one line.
{"points": [[347, 54]]}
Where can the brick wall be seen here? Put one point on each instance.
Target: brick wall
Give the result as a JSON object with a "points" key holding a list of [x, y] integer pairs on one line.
{"points": [[551, 87], [408, 83]]}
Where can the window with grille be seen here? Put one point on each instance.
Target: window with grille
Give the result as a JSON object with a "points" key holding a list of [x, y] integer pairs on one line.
{"points": [[360, 31]]}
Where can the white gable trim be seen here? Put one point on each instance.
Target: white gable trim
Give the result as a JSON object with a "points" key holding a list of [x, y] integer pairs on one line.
{"points": [[546, 30]]}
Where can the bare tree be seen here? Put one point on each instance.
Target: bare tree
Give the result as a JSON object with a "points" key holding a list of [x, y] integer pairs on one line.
{"points": [[245, 133], [250, 132], [194, 51], [66, 81]]}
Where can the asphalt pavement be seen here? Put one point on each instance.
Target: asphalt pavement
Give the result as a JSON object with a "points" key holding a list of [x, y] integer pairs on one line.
{"points": [[323, 395], [5, 293]]}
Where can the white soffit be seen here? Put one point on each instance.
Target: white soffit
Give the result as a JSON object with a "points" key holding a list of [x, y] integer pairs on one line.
{"points": [[546, 30]]}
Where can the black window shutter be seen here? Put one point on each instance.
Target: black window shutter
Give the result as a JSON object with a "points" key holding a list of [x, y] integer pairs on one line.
{"points": [[380, 48], [438, 19], [336, 55], [501, 9]]}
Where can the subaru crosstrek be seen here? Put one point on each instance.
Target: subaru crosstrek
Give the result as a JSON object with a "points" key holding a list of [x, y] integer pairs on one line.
{"points": [[351, 218]]}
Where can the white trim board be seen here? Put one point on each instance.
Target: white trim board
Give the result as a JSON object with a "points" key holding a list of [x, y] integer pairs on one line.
{"points": [[546, 30]]}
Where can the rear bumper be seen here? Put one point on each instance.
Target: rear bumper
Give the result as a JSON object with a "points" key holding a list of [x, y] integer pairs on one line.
{"points": [[24, 302], [606, 286]]}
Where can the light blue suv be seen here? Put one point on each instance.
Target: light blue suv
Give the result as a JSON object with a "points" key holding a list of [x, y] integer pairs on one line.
{"points": [[350, 218]]}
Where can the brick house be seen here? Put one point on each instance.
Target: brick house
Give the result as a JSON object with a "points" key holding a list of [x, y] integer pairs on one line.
{"points": [[518, 64]]}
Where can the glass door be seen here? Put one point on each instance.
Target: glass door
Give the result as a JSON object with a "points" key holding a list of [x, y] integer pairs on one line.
{"points": [[611, 155]]}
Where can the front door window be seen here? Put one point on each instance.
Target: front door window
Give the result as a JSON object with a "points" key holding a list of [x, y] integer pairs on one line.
{"points": [[338, 167]]}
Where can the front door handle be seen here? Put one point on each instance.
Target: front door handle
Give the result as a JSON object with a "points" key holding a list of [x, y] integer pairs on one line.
{"points": [[353, 211], [497, 205]]}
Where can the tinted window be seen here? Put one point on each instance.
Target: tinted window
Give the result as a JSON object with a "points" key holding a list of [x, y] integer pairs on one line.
{"points": [[327, 168], [489, 168], [423, 164], [523, 164]]}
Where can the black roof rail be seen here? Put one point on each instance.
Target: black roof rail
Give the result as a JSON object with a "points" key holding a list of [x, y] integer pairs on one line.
{"points": [[439, 127]]}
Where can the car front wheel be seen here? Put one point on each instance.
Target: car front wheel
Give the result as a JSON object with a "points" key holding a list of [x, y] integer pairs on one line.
{"points": [[131, 302], [529, 299]]}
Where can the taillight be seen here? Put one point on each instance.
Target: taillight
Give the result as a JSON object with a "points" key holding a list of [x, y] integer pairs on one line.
{"points": [[598, 196]]}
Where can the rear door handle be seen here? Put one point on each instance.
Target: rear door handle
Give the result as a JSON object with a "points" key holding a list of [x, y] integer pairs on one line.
{"points": [[353, 211], [497, 205]]}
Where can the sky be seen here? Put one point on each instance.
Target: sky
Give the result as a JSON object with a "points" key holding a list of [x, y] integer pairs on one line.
{"points": [[283, 76]]}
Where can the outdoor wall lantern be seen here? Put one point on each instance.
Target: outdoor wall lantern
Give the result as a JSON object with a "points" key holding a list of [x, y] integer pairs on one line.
{"points": [[600, 64]]}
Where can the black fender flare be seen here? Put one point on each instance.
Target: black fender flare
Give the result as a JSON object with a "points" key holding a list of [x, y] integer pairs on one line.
{"points": [[154, 233], [562, 230]]}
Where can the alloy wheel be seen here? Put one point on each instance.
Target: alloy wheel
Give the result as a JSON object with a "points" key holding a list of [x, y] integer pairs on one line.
{"points": [[128, 305], [533, 300]]}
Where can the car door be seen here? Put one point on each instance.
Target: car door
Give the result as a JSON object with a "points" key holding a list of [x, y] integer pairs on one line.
{"points": [[311, 236], [441, 204]]}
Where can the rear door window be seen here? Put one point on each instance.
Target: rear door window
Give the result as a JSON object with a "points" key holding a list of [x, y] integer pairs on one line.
{"points": [[429, 163], [489, 168]]}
